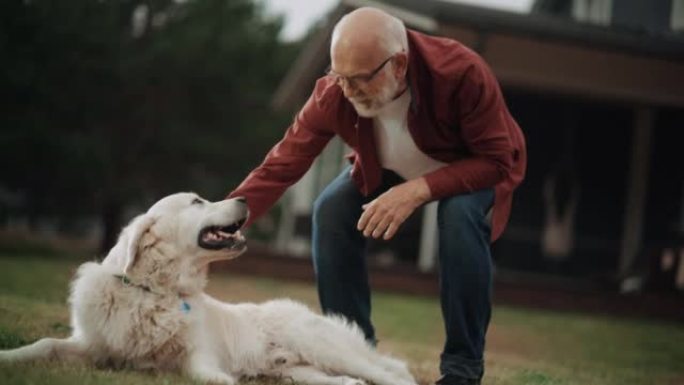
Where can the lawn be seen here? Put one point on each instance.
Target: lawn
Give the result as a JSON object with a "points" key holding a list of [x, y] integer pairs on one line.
{"points": [[530, 347]]}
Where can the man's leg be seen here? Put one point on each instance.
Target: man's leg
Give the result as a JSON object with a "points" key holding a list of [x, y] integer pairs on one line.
{"points": [[338, 253], [465, 282]]}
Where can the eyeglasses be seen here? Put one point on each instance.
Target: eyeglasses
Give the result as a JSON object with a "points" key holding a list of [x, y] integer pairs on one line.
{"points": [[356, 80]]}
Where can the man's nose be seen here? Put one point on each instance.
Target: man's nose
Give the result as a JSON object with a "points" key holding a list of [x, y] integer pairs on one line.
{"points": [[348, 90]]}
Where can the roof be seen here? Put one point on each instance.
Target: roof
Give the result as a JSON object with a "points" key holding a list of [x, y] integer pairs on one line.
{"points": [[552, 53], [542, 26]]}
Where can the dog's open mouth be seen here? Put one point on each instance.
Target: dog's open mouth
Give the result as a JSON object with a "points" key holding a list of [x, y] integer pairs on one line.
{"points": [[222, 237]]}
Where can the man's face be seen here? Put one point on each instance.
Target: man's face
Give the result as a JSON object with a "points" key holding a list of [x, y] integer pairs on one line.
{"points": [[368, 86]]}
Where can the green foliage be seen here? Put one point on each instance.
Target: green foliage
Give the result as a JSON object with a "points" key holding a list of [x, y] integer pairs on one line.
{"points": [[102, 111]]}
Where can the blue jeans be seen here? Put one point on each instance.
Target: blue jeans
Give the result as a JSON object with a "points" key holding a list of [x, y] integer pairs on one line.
{"points": [[465, 267]]}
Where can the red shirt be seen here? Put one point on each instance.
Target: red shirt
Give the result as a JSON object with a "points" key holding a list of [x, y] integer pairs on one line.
{"points": [[457, 115]]}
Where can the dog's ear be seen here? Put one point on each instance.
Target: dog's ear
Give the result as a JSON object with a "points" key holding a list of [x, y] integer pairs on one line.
{"points": [[138, 227]]}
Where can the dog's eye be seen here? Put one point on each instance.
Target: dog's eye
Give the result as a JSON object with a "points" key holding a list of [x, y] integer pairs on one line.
{"points": [[197, 201]]}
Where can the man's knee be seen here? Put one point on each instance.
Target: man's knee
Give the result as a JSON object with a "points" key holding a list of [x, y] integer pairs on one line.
{"points": [[466, 208], [323, 205], [327, 209], [457, 210], [335, 207]]}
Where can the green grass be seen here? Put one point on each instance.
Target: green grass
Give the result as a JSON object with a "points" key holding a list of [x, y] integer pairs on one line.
{"points": [[525, 347]]}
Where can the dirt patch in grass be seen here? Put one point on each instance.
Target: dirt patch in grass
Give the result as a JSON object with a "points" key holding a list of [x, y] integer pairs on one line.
{"points": [[506, 340]]}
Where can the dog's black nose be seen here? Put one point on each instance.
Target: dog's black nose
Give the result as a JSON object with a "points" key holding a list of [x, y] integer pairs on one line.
{"points": [[241, 200]]}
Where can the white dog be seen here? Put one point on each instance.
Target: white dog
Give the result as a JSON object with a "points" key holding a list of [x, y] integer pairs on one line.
{"points": [[144, 307]]}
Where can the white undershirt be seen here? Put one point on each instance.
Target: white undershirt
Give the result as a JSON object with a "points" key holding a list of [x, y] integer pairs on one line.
{"points": [[396, 149]]}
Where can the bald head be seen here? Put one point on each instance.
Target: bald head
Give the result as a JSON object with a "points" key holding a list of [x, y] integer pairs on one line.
{"points": [[364, 36]]}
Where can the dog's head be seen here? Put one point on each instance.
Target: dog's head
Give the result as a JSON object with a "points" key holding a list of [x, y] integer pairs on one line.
{"points": [[199, 226], [181, 234]]}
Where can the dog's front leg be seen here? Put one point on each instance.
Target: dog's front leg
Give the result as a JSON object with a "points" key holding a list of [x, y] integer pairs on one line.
{"points": [[47, 348], [204, 368]]}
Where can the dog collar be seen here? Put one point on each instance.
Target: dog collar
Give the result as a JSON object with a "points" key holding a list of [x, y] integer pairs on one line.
{"points": [[184, 306], [127, 282]]}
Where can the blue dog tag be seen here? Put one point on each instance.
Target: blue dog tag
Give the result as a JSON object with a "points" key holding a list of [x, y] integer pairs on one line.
{"points": [[185, 307]]}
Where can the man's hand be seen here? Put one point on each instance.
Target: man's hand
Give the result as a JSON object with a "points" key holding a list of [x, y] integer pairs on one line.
{"points": [[384, 215]]}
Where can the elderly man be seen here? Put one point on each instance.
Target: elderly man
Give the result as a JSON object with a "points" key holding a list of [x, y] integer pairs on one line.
{"points": [[427, 122]]}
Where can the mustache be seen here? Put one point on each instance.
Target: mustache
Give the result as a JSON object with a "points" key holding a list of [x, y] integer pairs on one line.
{"points": [[359, 100]]}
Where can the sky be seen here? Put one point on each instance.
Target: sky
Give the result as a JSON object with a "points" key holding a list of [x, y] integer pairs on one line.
{"points": [[301, 14]]}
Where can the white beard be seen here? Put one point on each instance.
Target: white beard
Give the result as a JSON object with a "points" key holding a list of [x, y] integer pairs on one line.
{"points": [[373, 105]]}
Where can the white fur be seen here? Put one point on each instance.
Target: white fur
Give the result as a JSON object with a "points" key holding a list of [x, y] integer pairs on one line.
{"points": [[139, 322]]}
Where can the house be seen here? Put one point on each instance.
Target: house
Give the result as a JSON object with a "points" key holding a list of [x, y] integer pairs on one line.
{"points": [[598, 88]]}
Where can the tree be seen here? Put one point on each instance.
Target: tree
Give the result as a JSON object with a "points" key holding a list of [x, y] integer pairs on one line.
{"points": [[117, 102]]}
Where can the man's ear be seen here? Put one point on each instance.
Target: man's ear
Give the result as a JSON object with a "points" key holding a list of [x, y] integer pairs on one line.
{"points": [[401, 64], [138, 227]]}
